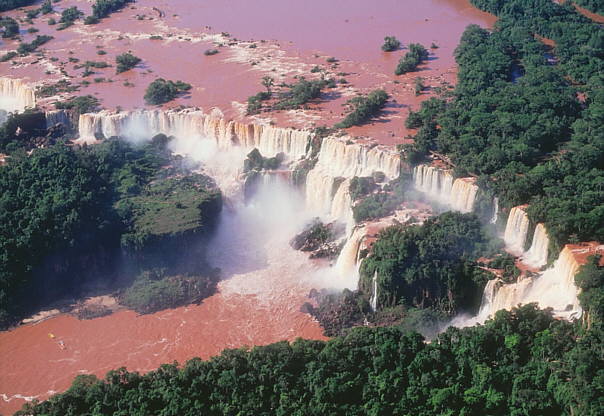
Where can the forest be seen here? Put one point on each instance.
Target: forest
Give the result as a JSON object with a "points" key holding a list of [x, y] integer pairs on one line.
{"points": [[527, 119], [90, 215]]}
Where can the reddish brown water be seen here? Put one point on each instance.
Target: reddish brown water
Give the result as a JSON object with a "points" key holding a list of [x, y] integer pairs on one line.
{"points": [[257, 305], [300, 35]]}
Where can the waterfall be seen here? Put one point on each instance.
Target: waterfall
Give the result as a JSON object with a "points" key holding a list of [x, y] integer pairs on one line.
{"points": [[554, 288], [439, 185], [347, 265], [374, 295], [15, 95], [58, 117], [516, 230], [341, 207], [495, 210], [194, 125], [537, 254]]}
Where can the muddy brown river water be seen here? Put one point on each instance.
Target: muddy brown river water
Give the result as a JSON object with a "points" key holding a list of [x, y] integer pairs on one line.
{"points": [[258, 304]]}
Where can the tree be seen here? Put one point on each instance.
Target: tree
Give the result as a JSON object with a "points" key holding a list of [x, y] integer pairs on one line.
{"points": [[267, 82], [10, 26], [126, 61], [161, 91], [391, 44]]}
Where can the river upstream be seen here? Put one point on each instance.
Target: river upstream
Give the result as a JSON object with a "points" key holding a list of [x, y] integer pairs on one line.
{"points": [[265, 281]]}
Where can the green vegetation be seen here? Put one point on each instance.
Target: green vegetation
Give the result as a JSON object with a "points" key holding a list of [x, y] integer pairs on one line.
{"points": [[6, 5], [590, 279], [154, 290], [103, 8], [430, 266], [596, 6], [126, 61], [80, 105], [210, 52], [299, 94], [46, 7], [522, 362], [58, 87], [68, 17], [363, 108], [255, 161], [254, 103], [69, 215], [391, 44], [27, 48], [9, 26], [8, 56], [161, 91], [528, 138], [168, 209], [412, 59]]}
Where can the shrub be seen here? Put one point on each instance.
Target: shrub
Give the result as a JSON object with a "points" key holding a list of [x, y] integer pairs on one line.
{"points": [[11, 27], [26, 48], [391, 44], [362, 108], [81, 105], [412, 59], [210, 52], [161, 91], [126, 61]]}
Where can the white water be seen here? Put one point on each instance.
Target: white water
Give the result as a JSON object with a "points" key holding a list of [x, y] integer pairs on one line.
{"points": [[374, 295], [516, 230], [536, 256], [495, 210], [552, 288], [222, 146], [15, 95], [438, 184]]}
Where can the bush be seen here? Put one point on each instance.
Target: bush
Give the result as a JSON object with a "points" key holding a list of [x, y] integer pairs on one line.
{"points": [[81, 105], [161, 91], [412, 59], [26, 48], [363, 108], [391, 44], [11, 27], [126, 61], [103, 8], [210, 52], [299, 94], [6, 5], [8, 56]]}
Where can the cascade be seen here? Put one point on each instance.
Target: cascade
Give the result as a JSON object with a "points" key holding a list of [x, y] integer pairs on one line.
{"points": [[15, 95], [516, 230], [537, 254], [374, 295], [347, 265], [439, 185], [194, 125], [339, 159], [495, 210], [554, 288], [341, 207], [58, 117]]}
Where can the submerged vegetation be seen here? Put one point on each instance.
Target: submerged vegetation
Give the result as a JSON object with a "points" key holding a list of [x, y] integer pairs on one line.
{"points": [[363, 108], [125, 62], [416, 56], [161, 91]]}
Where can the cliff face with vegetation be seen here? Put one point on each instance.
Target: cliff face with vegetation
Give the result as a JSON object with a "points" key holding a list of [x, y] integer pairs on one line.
{"points": [[69, 214]]}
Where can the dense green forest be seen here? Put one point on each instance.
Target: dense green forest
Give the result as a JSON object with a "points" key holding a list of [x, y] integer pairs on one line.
{"points": [[596, 6], [527, 120], [523, 362], [89, 214]]}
